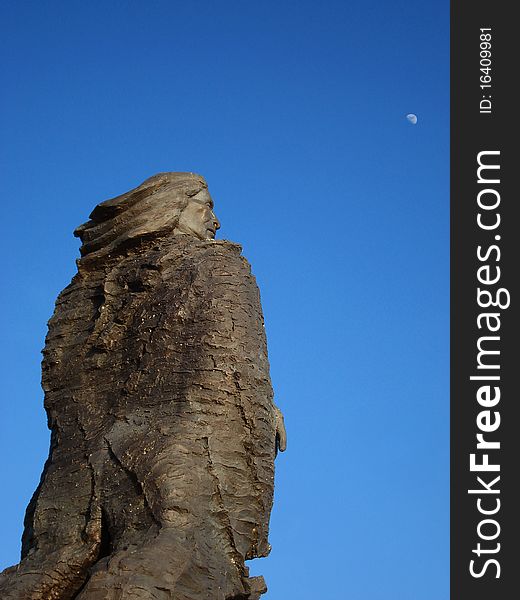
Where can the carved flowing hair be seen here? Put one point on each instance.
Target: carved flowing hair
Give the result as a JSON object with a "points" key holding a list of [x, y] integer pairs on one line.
{"points": [[148, 211]]}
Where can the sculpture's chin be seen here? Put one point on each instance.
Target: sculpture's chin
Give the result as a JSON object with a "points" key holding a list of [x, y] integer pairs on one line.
{"points": [[209, 235], [191, 233]]}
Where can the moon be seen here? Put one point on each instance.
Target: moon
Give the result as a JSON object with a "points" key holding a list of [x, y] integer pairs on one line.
{"points": [[412, 118]]}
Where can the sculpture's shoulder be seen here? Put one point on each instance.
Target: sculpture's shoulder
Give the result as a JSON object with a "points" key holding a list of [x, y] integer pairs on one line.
{"points": [[224, 248], [214, 270], [224, 261], [208, 255], [230, 252]]}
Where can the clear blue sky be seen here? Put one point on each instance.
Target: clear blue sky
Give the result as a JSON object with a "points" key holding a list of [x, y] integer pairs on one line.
{"points": [[295, 114]]}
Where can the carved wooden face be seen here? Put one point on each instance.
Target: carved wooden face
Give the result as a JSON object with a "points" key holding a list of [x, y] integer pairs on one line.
{"points": [[198, 218]]}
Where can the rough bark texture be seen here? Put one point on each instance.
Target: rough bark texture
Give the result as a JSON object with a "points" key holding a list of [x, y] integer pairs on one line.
{"points": [[159, 481]]}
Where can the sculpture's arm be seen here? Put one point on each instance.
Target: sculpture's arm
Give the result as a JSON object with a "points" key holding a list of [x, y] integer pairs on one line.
{"points": [[281, 434]]}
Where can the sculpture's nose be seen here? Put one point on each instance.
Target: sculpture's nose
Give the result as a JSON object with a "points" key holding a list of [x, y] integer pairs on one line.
{"points": [[216, 222]]}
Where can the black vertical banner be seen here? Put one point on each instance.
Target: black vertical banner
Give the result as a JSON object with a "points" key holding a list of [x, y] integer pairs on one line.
{"points": [[485, 269]]}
